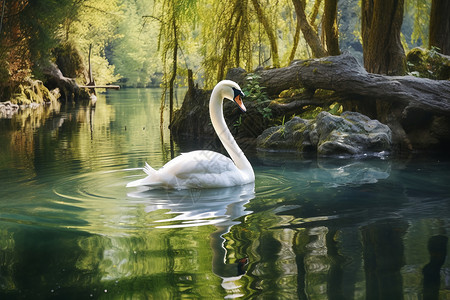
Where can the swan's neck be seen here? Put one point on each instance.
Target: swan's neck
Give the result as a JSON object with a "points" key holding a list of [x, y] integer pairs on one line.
{"points": [[221, 128]]}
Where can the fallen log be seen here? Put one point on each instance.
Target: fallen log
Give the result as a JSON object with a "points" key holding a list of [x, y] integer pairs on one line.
{"points": [[107, 86], [344, 75]]}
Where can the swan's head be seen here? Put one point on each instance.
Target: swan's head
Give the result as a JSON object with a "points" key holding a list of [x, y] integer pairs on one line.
{"points": [[232, 91]]}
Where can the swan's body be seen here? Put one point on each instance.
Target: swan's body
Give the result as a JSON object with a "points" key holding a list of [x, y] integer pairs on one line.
{"points": [[203, 168]]}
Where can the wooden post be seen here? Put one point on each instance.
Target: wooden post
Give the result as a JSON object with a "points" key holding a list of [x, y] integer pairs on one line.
{"points": [[190, 82]]}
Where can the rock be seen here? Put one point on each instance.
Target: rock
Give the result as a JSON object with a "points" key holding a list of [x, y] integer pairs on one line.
{"points": [[349, 134], [8, 109], [287, 137]]}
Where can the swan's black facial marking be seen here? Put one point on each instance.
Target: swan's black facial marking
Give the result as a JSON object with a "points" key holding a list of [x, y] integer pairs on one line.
{"points": [[237, 97]]}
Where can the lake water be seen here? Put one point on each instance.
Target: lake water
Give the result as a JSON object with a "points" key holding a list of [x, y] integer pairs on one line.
{"points": [[328, 228]]}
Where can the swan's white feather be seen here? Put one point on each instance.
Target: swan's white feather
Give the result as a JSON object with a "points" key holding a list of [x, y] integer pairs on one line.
{"points": [[149, 170], [196, 169]]}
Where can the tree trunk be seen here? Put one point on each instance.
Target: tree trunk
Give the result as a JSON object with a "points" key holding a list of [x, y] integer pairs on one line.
{"points": [[440, 26], [270, 33], [314, 13], [330, 28], [308, 31], [295, 42], [1, 18], [381, 21]]}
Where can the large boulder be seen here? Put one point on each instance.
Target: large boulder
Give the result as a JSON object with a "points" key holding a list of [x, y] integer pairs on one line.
{"points": [[351, 133]]}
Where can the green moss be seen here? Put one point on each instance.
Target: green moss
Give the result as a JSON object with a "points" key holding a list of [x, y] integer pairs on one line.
{"points": [[322, 92], [335, 109], [311, 112], [291, 92], [31, 91]]}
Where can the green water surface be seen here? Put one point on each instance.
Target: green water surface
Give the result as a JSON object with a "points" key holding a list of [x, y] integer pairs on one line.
{"points": [[328, 228]]}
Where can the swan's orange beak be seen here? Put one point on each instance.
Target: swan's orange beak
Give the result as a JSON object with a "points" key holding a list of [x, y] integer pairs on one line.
{"points": [[238, 94], [238, 100]]}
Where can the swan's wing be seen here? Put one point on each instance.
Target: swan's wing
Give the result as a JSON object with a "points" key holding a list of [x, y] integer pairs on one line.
{"points": [[198, 162], [196, 169], [200, 169]]}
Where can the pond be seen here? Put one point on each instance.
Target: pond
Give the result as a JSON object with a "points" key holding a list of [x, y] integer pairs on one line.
{"points": [[327, 228]]}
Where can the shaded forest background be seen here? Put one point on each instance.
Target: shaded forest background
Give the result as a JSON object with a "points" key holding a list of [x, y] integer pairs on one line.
{"points": [[141, 43]]}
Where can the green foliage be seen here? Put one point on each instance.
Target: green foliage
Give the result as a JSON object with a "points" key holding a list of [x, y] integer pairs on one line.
{"points": [[39, 21], [70, 61], [282, 129], [255, 92], [416, 22], [211, 36], [238, 122], [428, 64], [94, 23], [31, 91], [133, 51]]}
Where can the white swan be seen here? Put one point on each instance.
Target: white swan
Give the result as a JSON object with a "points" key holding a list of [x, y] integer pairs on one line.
{"points": [[203, 168]]}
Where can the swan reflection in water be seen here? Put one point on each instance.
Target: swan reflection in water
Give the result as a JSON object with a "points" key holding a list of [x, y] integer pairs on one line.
{"points": [[220, 207]]}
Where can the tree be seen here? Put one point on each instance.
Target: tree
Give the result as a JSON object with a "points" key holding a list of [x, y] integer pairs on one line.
{"points": [[235, 35], [330, 29], [173, 18], [381, 21], [309, 33], [132, 53], [440, 26], [94, 23], [269, 31], [26, 38]]}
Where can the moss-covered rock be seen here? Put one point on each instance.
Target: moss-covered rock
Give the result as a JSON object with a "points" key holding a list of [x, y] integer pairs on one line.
{"points": [[32, 91], [349, 134]]}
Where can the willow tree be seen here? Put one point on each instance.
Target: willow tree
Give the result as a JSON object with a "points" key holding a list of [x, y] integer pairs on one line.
{"points": [[269, 31], [233, 42], [440, 26], [328, 44], [173, 17], [381, 21], [238, 33]]}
